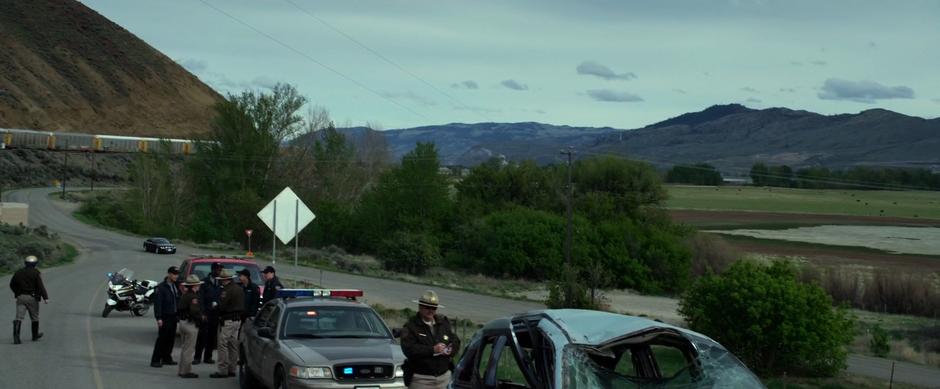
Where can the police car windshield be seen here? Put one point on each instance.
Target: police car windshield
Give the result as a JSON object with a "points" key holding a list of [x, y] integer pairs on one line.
{"points": [[334, 322]]}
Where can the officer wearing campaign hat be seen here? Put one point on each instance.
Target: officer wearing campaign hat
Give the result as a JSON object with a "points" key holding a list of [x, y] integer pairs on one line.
{"points": [[231, 308], [430, 344], [28, 290], [191, 317]]}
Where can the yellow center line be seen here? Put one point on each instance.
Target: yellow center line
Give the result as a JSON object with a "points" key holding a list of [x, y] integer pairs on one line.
{"points": [[91, 343]]}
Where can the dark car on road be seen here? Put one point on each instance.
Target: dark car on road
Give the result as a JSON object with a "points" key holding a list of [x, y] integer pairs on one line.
{"points": [[571, 348], [159, 246], [325, 339]]}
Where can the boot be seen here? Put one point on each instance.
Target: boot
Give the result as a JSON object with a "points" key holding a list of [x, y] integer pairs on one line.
{"points": [[16, 331], [36, 333]]}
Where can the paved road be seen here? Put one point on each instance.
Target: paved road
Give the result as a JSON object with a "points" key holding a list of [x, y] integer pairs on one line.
{"points": [[83, 350]]}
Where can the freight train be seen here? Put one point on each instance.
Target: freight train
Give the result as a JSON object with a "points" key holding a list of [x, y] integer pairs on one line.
{"points": [[45, 140]]}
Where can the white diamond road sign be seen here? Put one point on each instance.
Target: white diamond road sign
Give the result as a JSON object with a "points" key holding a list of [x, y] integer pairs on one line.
{"points": [[286, 215]]}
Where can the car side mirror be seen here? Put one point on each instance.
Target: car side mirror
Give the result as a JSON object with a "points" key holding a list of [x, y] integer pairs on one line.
{"points": [[396, 332], [266, 332]]}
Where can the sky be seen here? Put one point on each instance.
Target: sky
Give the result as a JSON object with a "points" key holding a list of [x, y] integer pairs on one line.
{"points": [[616, 63]]}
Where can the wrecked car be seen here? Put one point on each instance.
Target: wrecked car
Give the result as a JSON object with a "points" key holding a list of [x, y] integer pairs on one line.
{"points": [[571, 348]]}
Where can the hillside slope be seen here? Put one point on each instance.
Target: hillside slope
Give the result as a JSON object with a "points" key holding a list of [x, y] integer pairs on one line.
{"points": [[65, 67]]}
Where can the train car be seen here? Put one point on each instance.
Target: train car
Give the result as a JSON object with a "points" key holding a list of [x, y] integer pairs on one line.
{"points": [[74, 141], [28, 139]]}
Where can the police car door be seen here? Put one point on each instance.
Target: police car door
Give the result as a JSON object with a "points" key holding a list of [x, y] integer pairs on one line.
{"points": [[254, 343]]}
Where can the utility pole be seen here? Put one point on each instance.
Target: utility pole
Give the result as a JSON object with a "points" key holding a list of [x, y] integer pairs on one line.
{"points": [[570, 153], [94, 170], [65, 170]]}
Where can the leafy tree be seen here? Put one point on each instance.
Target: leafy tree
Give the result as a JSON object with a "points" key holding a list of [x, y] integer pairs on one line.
{"points": [[697, 174], [629, 185], [772, 321], [879, 342], [235, 168], [759, 174], [414, 197]]}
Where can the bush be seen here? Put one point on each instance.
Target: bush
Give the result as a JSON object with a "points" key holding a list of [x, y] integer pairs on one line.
{"points": [[409, 253], [879, 342], [772, 321], [711, 254]]}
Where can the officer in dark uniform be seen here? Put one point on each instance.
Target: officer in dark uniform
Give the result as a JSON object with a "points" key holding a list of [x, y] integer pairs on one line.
{"points": [[272, 284], [207, 340], [28, 290], [430, 345], [252, 296], [165, 310], [231, 308]]}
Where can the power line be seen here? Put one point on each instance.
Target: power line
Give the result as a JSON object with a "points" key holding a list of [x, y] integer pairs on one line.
{"points": [[387, 60], [311, 59]]}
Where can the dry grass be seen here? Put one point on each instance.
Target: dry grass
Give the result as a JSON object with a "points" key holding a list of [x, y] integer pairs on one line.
{"points": [[711, 254], [885, 292]]}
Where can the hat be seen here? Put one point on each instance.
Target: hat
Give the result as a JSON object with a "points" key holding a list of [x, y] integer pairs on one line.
{"points": [[192, 280], [244, 272], [268, 269], [32, 259], [225, 275], [173, 270], [428, 299], [216, 265]]}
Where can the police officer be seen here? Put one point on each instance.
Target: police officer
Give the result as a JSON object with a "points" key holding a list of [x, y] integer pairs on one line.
{"points": [[252, 296], [28, 290], [207, 340], [231, 307], [165, 310], [272, 284], [429, 344], [190, 319]]}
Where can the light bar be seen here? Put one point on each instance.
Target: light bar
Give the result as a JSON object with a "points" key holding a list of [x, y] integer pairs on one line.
{"points": [[295, 293]]}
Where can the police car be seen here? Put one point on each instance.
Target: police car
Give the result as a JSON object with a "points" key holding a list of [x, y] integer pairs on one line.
{"points": [[319, 338]]}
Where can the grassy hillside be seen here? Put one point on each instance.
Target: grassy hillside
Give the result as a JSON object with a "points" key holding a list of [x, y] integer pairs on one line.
{"points": [[908, 204], [17, 242]]}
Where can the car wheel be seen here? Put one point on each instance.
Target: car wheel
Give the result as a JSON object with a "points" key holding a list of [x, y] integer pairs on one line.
{"points": [[107, 310], [280, 378], [247, 380]]}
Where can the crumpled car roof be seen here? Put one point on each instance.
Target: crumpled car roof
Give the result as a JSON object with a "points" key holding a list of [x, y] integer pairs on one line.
{"points": [[596, 327]]}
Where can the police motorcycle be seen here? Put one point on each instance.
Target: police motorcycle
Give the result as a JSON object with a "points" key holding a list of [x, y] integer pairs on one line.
{"points": [[127, 294]]}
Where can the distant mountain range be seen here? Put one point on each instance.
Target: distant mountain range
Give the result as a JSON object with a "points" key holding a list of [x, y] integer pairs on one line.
{"points": [[731, 137]]}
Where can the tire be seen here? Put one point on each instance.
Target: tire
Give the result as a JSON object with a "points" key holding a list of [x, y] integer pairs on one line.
{"points": [[107, 310], [247, 380], [280, 378]]}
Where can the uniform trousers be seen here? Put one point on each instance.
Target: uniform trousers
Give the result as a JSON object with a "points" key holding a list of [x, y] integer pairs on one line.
{"points": [[188, 332], [27, 303], [228, 346]]}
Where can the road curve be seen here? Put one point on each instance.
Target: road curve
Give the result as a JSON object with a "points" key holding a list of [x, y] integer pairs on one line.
{"points": [[81, 349]]}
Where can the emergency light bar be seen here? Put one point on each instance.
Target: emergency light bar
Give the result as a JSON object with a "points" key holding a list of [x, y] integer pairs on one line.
{"points": [[295, 293]]}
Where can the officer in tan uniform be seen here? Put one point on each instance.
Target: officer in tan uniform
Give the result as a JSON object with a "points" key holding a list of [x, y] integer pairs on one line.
{"points": [[28, 290], [231, 307], [191, 316]]}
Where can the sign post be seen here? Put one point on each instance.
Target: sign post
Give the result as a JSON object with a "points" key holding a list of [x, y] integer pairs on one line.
{"points": [[278, 219], [248, 232]]}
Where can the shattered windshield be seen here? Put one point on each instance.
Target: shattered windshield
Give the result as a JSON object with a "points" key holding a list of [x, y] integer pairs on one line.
{"points": [[584, 368]]}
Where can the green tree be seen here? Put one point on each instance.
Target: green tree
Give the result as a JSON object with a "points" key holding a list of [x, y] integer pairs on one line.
{"points": [[414, 197], [697, 174], [236, 167], [759, 174], [772, 321], [879, 342]]}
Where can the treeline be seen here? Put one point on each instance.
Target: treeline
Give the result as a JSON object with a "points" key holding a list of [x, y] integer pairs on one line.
{"points": [[697, 174], [500, 220], [854, 178]]}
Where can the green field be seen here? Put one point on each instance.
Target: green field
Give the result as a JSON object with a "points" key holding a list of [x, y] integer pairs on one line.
{"points": [[905, 204]]}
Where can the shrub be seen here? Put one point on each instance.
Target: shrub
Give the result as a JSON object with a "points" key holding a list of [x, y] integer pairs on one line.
{"points": [[710, 254], [772, 321], [879, 342], [409, 252]]}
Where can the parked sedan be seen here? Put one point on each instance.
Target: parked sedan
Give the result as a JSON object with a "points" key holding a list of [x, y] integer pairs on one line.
{"points": [[326, 340], [590, 349], [159, 245]]}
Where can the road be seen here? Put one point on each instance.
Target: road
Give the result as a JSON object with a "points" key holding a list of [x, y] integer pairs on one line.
{"points": [[81, 349]]}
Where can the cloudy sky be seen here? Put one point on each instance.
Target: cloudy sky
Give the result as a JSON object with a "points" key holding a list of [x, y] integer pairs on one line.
{"points": [[616, 63]]}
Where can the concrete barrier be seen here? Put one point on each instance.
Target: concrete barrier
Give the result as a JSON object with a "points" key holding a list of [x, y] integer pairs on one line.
{"points": [[14, 213]]}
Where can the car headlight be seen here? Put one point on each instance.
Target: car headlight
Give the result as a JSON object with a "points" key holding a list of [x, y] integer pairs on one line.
{"points": [[399, 372], [310, 372]]}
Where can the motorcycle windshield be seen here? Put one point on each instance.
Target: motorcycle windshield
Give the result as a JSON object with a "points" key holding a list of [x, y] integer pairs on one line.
{"points": [[122, 276]]}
